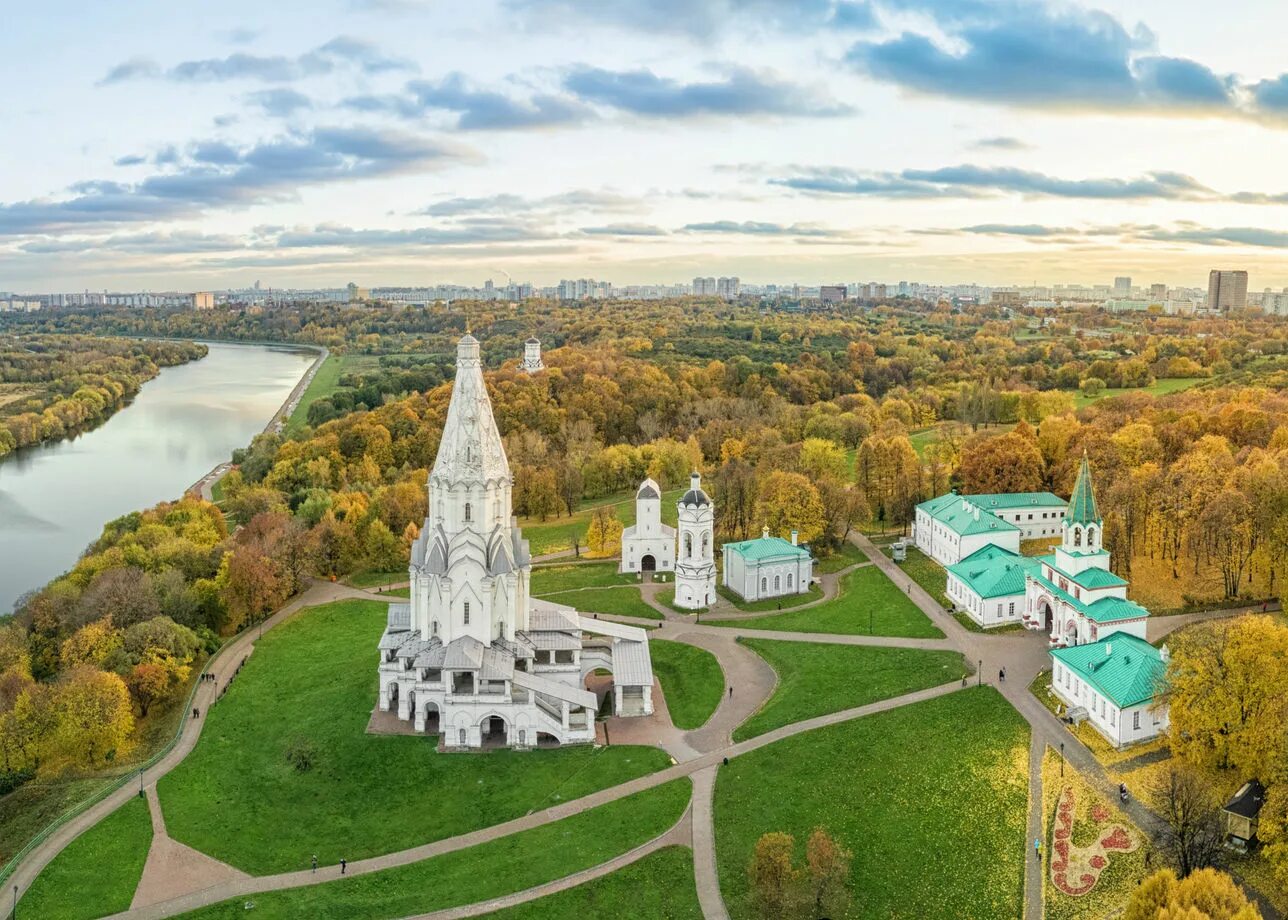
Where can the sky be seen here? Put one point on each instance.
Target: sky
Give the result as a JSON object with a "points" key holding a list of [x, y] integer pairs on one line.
{"points": [[156, 146]]}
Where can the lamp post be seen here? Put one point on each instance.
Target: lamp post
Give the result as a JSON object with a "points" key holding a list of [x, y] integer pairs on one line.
{"points": [[979, 674], [14, 915], [140, 782], [1061, 758]]}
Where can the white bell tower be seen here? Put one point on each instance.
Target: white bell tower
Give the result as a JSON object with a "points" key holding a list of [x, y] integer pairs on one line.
{"points": [[695, 565]]}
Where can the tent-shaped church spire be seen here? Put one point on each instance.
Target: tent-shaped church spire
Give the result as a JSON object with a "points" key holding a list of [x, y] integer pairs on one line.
{"points": [[1082, 504]]}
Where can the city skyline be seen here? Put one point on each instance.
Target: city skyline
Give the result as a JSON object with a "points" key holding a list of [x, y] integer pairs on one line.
{"points": [[399, 142]]}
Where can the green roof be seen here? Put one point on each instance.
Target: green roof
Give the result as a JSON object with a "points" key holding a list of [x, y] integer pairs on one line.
{"points": [[1010, 501], [948, 510], [1098, 578], [1105, 610], [1082, 503], [764, 548], [994, 571], [1125, 669]]}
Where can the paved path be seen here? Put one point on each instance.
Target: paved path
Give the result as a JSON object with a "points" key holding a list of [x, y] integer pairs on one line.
{"points": [[705, 875], [174, 869], [1032, 865], [830, 584]]}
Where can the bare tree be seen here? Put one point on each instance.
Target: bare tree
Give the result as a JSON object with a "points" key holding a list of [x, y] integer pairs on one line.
{"points": [[1193, 839]]}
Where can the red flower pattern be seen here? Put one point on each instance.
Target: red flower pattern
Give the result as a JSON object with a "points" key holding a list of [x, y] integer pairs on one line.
{"points": [[1086, 863]]}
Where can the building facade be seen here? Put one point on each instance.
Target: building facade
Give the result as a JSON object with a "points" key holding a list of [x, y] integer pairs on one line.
{"points": [[1227, 291], [695, 565], [989, 585], [766, 568], [648, 545], [472, 657], [951, 527], [532, 356], [1115, 684]]}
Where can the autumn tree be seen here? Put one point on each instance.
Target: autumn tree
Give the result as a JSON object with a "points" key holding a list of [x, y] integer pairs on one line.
{"points": [[774, 880], [1204, 895], [1194, 836], [828, 873], [787, 502], [604, 533], [822, 459], [734, 494], [888, 474], [1003, 463], [92, 644], [94, 717]]}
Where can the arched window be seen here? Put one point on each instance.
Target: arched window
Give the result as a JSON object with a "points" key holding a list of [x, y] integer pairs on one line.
{"points": [[435, 632], [1091, 538], [467, 613], [778, 582], [462, 737], [764, 585], [467, 512], [1077, 536], [789, 581], [688, 546], [706, 545]]}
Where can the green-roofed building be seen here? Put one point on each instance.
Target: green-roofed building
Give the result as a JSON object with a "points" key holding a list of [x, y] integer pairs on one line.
{"points": [[767, 567], [1116, 683], [989, 585], [951, 527]]}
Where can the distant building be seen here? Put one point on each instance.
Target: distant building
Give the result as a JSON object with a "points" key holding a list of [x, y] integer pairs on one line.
{"points": [[729, 288], [832, 293], [1158, 292], [952, 527], [203, 300], [648, 545], [532, 356], [357, 294], [1008, 298], [1275, 304], [1227, 290], [704, 287], [757, 570], [1122, 286]]}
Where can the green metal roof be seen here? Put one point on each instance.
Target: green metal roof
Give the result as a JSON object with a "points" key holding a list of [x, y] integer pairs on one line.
{"points": [[1098, 578], [1125, 669], [994, 571], [764, 548], [948, 510], [1105, 610], [1082, 504], [1010, 501]]}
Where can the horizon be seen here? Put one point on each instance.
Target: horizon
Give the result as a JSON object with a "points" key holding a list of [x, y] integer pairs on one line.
{"points": [[388, 142]]}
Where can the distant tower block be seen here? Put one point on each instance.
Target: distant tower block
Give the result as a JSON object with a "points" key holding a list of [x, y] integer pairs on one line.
{"points": [[532, 356]]}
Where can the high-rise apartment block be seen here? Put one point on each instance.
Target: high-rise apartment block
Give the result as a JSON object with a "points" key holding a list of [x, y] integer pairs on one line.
{"points": [[1227, 291]]}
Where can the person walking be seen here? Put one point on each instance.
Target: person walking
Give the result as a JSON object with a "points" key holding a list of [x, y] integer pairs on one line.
{"points": [[1001, 675], [344, 864], [315, 864], [1037, 848], [731, 693]]}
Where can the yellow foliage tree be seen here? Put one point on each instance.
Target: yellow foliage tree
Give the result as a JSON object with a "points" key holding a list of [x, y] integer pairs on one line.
{"points": [[787, 502], [94, 716], [91, 644], [1203, 895], [604, 534], [774, 880]]}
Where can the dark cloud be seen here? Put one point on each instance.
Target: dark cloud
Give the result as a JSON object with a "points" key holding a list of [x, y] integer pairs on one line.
{"points": [[759, 228], [280, 102], [490, 110], [213, 174], [968, 181], [1272, 95], [701, 18], [1220, 236], [340, 52], [741, 92]]}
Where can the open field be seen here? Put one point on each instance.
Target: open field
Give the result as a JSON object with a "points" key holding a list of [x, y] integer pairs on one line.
{"points": [[814, 680], [927, 573], [936, 830], [869, 604], [845, 556], [98, 871], [691, 679], [555, 534], [478, 873], [313, 680], [623, 601], [549, 579], [1161, 387]]}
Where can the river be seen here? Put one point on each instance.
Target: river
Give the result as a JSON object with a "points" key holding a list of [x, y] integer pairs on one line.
{"points": [[55, 498]]}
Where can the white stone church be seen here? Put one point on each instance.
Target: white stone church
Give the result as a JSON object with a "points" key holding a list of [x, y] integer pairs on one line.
{"points": [[651, 546], [473, 657]]}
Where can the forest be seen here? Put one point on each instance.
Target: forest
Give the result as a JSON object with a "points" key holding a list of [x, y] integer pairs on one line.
{"points": [[52, 386], [816, 421]]}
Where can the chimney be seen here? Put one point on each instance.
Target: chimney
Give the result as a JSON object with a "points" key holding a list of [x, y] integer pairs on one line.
{"points": [[1109, 649], [795, 536], [1165, 654], [764, 533]]}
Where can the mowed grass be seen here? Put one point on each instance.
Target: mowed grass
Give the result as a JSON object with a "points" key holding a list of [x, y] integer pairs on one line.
{"points": [[549, 579], [691, 679], [658, 887], [97, 872], [324, 383], [869, 603], [622, 602], [814, 680], [927, 573], [844, 556], [555, 534], [477, 873], [313, 678], [786, 602], [1163, 386], [375, 579], [931, 800]]}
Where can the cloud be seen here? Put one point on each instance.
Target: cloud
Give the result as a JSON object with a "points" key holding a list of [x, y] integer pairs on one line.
{"points": [[1029, 230], [213, 174], [576, 199], [1272, 95], [1222, 236], [1031, 54], [741, 92], [490, 110], [239, 36], [1000, 143], [625, 230], [759, 228], [280, 102], [341, 51], [132, 159], [465, 232], [968, 181], [702, 19]]}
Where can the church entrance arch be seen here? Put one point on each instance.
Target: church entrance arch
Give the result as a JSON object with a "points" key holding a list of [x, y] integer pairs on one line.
{"points": [[494, 731], [431, 718], [393, 695], [1048, 615], [648, 563]]}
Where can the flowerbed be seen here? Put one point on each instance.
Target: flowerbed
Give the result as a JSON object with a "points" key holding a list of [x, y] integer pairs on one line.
{"points": [[1076, 869]]}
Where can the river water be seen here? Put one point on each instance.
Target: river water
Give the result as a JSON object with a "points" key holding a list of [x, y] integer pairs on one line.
{"points": [[55, 499]]}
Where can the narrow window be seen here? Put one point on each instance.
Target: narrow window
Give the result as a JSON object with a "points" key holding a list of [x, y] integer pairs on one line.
{"points": [[789, 581], [1135, 720], [467, 613], [462, 736], [764, 583], [778, 582], [467, 511]]}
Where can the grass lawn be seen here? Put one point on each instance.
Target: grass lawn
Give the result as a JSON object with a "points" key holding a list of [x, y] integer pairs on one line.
{"points": [[621, 601], [869, 604], [691, 678], [548, 579], [928, 573], [555, 534], [217, 490], [98, 871], [324, 383], [658, 887], [1161, 387], [845, 556], [1120, 876], [398, 592], [375, 579], [786, 602], [237, 798], [478, 873], [936, 828], [814, 680]]}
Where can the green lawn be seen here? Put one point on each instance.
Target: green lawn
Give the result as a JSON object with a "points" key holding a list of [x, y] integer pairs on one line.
{"points": [[489, 870], [398, 592], [931, 799], [787, 602], [658, 887], [1161, 387], [217, 490], [622, 601], [98, 871], [324, 383], [928, 573], [691, 678], [869, 604], [842, 558], [548, 579], [814, 680], [555, 534], [375, 579], [237, 798]]}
